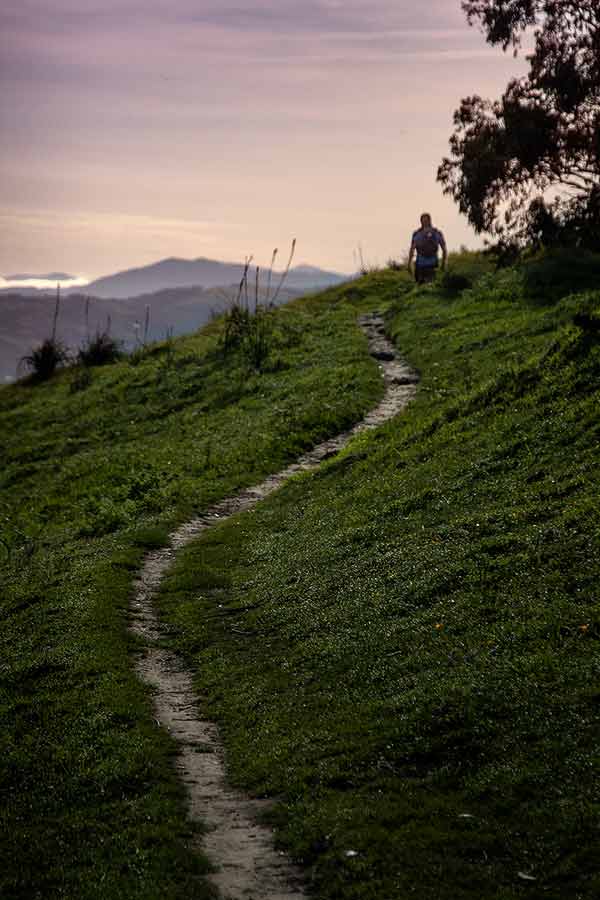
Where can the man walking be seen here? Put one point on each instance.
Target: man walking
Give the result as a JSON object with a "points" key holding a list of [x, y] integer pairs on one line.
{"points": [[426, 242]]}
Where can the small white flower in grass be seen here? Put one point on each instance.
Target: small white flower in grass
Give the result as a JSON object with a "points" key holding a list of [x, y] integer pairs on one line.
{"points": [[525, 877], [351, 853]]}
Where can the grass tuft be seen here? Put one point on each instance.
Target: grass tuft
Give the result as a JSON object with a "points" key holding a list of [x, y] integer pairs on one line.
{"points": [[100, 350], [45, 360]]}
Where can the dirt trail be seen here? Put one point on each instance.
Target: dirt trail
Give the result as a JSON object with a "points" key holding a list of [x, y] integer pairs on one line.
{"points": [[247, 865]]}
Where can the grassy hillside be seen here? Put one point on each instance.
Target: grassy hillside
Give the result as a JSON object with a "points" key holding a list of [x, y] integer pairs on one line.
{"points": [[94, 472], [403, 647]]}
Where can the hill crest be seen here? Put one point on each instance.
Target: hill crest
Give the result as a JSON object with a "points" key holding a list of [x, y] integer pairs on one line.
{"points": [[175, 272]]}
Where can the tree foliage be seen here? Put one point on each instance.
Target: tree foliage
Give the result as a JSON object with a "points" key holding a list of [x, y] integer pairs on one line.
{"points": [[543, 134]]}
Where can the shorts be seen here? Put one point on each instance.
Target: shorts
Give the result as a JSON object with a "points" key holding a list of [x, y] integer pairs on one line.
{"points": [[425, 274]]}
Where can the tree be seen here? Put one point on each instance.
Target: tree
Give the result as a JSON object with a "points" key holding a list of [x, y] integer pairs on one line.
{"points": [[544, 133]]}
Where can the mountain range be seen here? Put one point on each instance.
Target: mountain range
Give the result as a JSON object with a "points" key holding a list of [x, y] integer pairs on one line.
{"points": [[179, 273]]}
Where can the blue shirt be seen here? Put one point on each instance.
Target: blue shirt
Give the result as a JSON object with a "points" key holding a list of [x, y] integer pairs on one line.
{"points": [[428, 261]]}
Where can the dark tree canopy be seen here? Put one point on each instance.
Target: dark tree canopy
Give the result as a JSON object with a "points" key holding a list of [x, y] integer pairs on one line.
{"points": [[544, 132]]}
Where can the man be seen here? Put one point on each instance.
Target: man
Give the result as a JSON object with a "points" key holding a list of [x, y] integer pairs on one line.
{"points": [[426, 242]]}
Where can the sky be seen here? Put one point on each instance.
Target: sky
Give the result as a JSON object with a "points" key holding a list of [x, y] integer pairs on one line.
{"points": [[134, 130]]}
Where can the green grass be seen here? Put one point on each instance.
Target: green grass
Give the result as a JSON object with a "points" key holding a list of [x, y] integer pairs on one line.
{"points": [[95, 470], [403, 647]]}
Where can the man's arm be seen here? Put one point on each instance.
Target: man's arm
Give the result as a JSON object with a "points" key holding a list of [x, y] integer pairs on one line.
{"points": [[444, 250], [411, 254]]}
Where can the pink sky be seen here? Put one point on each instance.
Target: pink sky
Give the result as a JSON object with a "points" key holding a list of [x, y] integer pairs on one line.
{"points": [[140, 129]]}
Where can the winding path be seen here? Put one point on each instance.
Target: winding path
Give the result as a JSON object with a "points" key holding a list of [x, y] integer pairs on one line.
{"points": [[247, 867]]}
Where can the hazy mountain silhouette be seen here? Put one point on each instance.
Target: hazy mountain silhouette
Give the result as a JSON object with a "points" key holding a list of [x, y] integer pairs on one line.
{"points": [[205, 273]]}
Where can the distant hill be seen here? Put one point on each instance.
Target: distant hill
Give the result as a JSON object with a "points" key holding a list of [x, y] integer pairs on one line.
{"points": [[205, 273]]}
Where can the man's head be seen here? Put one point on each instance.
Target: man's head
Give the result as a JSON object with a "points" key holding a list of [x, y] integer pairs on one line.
{"points": [[426, 220]]}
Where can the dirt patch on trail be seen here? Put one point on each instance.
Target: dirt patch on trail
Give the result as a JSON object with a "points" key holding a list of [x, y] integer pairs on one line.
{"points": [[247, 866]]}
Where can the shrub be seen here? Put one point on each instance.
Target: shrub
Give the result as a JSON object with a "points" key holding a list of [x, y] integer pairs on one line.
{"points": [[249, 333], [235, 326], [454, 283], [100, 350], [588, 321], [252, 333], [553, 274], [43, 361], [464, 271]]}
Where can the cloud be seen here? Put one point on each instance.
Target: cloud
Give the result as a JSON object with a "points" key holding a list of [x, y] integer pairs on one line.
{"points": [[276, 15], [222, 25], [90, 238]]}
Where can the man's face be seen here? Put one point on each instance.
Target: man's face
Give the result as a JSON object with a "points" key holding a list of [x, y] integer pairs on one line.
{"points": [[426, 221]]}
